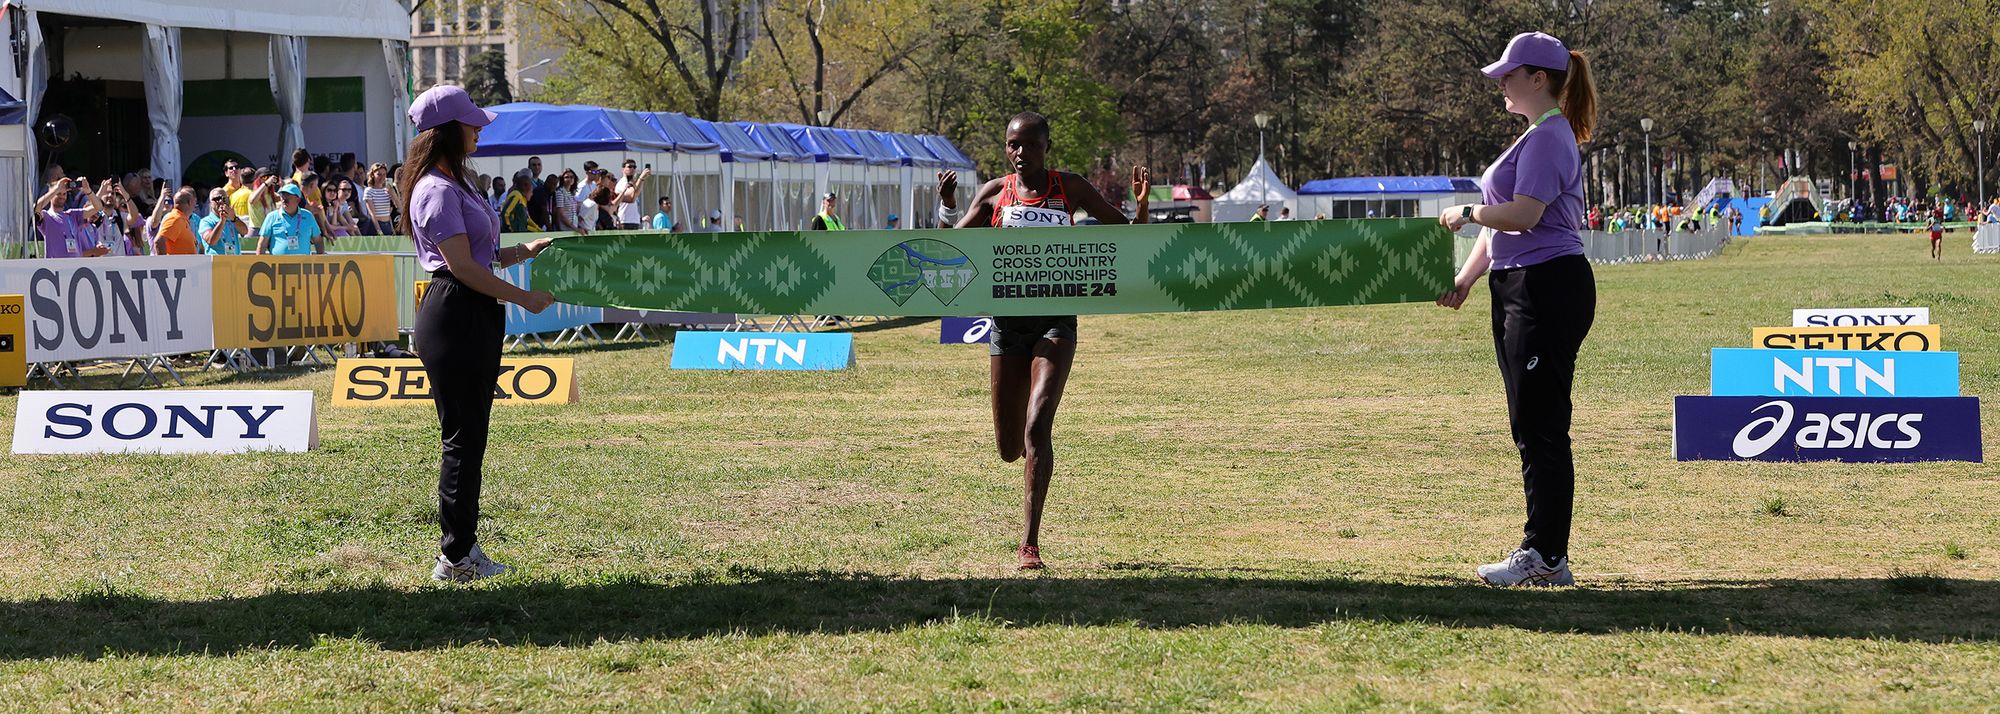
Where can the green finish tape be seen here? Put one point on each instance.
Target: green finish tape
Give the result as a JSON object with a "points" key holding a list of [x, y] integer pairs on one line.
{"points": [[1176, 267]]}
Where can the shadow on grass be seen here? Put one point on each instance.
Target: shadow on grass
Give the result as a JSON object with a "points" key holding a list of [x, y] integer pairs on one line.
{"points": [[620, 607]]}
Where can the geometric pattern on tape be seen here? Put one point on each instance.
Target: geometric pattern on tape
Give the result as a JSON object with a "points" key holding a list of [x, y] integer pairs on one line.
{"points": [[922, 264], [1266, 264], [767, 273]]}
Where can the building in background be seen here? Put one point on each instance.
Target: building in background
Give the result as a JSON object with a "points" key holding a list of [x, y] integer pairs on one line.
{"points": [[446, 34]]}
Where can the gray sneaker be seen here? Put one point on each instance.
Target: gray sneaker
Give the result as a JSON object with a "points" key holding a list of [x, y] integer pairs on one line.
{"points": [[474, 566], [1526, 568]]}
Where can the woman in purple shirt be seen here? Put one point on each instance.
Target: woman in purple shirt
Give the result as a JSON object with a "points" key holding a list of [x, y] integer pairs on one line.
{"points": [[1544, 296], [461, 322]]}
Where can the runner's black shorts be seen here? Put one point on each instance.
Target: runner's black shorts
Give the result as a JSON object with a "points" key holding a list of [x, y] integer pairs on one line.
{"points": [[1018, 335]]}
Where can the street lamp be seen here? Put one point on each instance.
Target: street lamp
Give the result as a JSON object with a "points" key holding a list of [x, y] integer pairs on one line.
{"points": [[1646, 125], [1979, 127], [523, 70], [825, 117], [1262, 120], [1622, 195]]}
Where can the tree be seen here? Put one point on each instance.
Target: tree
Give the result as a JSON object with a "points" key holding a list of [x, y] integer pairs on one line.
{"points": [[647, 54], [485, 79]]}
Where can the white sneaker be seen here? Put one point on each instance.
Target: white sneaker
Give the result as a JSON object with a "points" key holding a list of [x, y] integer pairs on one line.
{"points": [[474, 566], [1526, 568]]}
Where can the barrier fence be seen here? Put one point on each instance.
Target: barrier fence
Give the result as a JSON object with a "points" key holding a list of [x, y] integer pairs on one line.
{"points": [[1635, 246], [1987, 238]]}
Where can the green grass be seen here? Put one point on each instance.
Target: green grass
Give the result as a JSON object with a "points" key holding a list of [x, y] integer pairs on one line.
{"points": [[1251, 510]]}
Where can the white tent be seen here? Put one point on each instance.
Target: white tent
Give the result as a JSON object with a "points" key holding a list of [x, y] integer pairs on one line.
{"points": [[224, 49], [1261, 188]]}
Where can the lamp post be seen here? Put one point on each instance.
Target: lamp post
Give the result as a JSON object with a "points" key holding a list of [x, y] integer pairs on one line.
{"points": [[1622, 196], [825, 117], [1979, 127], [1851, 174], [1262, 120], [1646, 125], [525, 81]]}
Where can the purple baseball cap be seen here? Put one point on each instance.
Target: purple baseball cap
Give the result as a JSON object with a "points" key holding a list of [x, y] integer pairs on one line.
{"points": [[1533, 49], [447, 103]]}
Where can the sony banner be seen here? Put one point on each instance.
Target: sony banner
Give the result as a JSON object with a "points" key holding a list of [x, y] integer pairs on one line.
{"points": [[807, 351], [1738, 372], [280, 300], [1861, 317], [557, 318], [386, 382], [1910, 338], [1860, 429], [164, 422], [965, 330], [103, 308]]}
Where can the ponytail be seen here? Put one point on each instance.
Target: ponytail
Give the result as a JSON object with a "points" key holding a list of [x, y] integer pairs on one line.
{"points": [[1578, 97]]}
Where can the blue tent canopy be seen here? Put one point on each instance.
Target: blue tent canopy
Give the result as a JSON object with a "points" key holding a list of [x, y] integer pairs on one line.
{"points": [[12, 111], [736, 145], [776, 140], [910, 150], [1389, 184], [532, 128], [947, 152], [822, 143], [681, 130], [870, 145]]}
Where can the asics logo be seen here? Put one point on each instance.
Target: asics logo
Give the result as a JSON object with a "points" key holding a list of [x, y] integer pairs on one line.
{"points": [[1848, 430]]}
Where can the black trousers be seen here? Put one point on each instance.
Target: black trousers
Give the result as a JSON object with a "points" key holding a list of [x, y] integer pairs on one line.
{"points": [[458, 338], [1541, 314]]}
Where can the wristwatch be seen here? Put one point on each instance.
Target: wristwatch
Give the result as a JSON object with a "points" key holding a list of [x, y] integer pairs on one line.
{"points": [[1466, 213]]}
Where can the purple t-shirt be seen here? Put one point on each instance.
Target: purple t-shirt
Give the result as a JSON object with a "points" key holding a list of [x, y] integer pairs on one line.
{"points": [[441, 208], [65, 234], [1543, 165]]}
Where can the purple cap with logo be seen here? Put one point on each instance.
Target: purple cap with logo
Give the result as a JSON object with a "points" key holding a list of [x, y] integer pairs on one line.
{"points": [[447, 103], [1533, 49]]}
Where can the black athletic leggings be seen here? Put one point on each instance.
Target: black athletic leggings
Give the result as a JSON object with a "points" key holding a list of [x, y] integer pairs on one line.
{"points": [[458, 338], [1541, 314]]}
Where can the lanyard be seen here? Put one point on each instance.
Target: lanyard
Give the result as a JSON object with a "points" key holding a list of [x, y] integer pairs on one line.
{"points": [[1552, 113]]}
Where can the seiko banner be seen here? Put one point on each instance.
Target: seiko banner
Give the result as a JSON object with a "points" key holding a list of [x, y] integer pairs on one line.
{"points": [[165, 422], [1832, 373], [101, 308], [13, 329], [965, 330], [737, 350], [1861, 317], [278, 300], [557, 318], [385, 382], [1827, 428], [1911, 338]]}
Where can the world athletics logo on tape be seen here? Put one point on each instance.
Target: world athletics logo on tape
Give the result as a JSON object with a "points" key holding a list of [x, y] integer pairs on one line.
{"points": [[1917, 338], [1861, 317], [1859, 429], [1832, 373], [965, 330], [165, 422], [805, 351], [925, 264]]}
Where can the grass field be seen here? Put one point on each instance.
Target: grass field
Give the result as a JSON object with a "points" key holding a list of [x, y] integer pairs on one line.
{"points": [[1251, 510]]}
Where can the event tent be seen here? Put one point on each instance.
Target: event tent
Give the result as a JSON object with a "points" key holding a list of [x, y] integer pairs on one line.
{"points": [[1261, 187], [217, 78], [686, 164], [1384, 196]]}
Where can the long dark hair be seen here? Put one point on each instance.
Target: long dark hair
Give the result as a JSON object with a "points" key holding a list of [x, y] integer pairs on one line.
{"points": [[1576, 94], [441, 147]]}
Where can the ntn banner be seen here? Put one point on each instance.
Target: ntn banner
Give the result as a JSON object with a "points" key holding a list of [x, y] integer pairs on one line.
{"points": [[807, 351], [1013, 271], [1737, 371]]}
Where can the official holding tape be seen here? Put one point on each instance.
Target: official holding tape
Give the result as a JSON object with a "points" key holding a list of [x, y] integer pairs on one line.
{"points": [[1544, 296], [461, 321]]}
